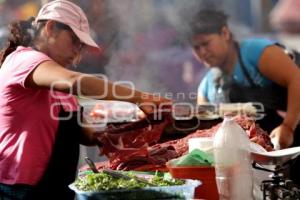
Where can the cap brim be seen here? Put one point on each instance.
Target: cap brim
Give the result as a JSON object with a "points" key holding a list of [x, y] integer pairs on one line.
{"points": [[86, 38]]}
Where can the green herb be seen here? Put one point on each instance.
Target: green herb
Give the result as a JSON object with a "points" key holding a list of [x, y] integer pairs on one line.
{"points": [[102, 181]]}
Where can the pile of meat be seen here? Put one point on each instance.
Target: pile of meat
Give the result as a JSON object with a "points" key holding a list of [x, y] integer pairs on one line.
{"points": [[134, 146]]}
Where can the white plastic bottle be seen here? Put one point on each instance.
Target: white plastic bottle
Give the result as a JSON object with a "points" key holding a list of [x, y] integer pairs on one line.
{"points": [[232, 162]]}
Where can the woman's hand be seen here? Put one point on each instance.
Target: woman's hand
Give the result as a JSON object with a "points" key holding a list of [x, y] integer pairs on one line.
{"points": [[284, 135]]}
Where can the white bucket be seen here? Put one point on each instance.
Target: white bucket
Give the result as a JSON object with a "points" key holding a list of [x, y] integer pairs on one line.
{"points": [[202, 143]]}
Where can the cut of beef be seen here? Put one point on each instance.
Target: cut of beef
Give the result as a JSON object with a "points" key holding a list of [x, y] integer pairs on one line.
{"points": [[127, 144], [132, 148], [259, 136]]}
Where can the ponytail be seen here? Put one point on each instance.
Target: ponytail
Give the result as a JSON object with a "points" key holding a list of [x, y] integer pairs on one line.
{"points": [[22, 33]]}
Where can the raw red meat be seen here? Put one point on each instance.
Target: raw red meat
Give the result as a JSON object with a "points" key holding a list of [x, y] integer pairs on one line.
{"points": [[127, 145], [131, 148]]}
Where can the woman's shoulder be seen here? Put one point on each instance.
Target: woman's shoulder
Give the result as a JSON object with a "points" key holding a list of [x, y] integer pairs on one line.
{"points": [[25, 56], [29, 51], [251, 52], [252, 48], [256, 43]]}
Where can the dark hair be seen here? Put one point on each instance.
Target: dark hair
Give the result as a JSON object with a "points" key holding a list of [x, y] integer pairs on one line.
{"points": [[21, 33], [208, 21]]}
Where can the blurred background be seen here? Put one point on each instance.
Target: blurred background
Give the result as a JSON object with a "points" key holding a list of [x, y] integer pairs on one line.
{"points": [[145, 41]]}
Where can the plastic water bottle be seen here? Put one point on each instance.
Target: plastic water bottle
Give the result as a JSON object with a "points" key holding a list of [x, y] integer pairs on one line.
{"points": [[232, 162]]}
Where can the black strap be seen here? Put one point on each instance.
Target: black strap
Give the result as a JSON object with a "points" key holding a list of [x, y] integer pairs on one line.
{"points": [[243, 67]]}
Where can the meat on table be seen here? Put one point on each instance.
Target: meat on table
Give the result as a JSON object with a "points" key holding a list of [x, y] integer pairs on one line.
{"points": [[137, 147]]}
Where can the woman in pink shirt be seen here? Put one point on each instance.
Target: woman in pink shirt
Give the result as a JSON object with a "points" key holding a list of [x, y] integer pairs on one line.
{"points": [[39, 153]]}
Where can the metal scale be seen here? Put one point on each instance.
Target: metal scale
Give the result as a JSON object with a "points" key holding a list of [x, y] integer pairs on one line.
{"points": [[278, 186]]}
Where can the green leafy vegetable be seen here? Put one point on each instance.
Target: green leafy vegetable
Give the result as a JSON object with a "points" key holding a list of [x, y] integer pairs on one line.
{"points": [[102, 181]]}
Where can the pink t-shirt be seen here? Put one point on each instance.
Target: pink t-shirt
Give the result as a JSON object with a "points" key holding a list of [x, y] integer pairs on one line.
{"points": [[28, 119]]}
